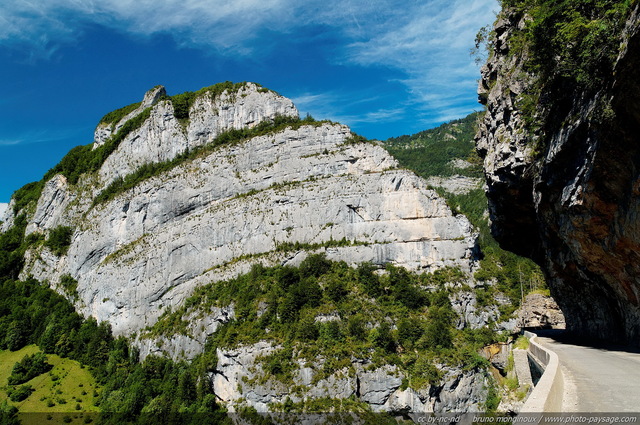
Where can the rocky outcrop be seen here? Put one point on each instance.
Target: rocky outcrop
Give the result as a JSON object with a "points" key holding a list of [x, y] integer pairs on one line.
{"points": [[3, 210], [240, 379], [213, 216], [456, 184], [162, 136], [190, 343], [567, 196], [7, 217], [540, 311], [55, 197], [470, 315]]}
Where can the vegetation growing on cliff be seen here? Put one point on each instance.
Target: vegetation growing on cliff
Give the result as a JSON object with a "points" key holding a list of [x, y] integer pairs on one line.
{"points": [[13, 245], [80, 160], [59, 240], [328, 310], [577, 40], [114, 117], [569, 47]]}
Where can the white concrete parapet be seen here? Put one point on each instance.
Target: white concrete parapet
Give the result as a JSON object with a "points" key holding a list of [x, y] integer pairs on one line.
{"points": [[547, 395]]}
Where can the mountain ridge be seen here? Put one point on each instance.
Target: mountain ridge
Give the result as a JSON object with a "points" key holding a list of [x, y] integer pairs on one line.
{"points": [[283, 166], [255, 250]]}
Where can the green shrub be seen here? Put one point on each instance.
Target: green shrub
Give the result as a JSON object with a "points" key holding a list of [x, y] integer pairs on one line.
{"points": [[114, 117], [59, 240], [424, 373], [28, 368], [70, 286], [27, 194], [21, 393]]}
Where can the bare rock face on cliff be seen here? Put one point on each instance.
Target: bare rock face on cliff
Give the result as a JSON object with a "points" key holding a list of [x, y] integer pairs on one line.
{"points": [[212, 207], [566, 192]]}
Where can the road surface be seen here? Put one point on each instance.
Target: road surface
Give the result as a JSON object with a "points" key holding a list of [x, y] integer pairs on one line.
{"points": [[597, 378]]}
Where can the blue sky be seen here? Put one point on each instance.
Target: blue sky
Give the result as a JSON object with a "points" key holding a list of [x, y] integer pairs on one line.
{"points": [[383, 67]]}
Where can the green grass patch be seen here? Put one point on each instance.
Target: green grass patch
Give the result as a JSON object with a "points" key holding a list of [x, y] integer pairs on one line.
{"points": [[58, 390], [522, 342]]}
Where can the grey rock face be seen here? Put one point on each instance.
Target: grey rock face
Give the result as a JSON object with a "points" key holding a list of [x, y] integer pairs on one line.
{"points": [[3, 210], [455, 184], [104, 131], [186, 346], [162, 137], [202, 221], [377, 386], [239, 378], [461, 392], [567, 195], [7, 217], [470, 315], [55, 197], [539, 311]]}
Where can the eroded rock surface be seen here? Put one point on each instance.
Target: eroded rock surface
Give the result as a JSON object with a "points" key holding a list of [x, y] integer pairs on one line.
{"points": [[568, 197], [240, 379], [213, 216]]}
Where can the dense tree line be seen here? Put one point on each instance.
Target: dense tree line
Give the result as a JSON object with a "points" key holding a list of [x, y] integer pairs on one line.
{"points": [[31, 313]]}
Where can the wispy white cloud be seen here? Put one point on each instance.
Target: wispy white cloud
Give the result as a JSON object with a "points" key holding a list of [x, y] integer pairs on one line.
{"points": [[40, 136], [432, 46], [427, 40]]}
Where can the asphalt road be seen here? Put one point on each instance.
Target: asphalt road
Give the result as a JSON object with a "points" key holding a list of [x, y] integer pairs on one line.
{"points": [[597, 378]]}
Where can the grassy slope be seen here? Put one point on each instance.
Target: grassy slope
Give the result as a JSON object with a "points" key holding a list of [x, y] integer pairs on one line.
{"points": [[73, 381]]}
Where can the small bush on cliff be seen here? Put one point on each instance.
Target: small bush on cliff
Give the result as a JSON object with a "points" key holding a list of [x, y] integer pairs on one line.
{"points": [[59, 240], [114, 117]]}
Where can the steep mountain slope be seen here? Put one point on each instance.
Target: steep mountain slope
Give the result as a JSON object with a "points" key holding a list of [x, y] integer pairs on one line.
{"points": [[559, 143], [218, 227], [212, 216]]}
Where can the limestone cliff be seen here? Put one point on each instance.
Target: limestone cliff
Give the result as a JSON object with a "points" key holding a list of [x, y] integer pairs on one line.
{"points": [[562, 160], [237, 380], [270, 198]]}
